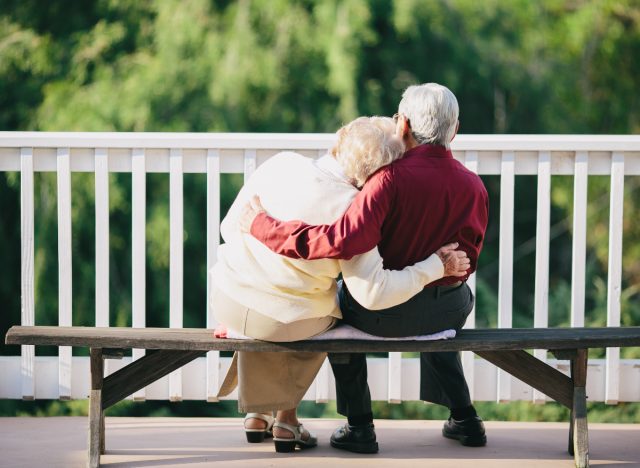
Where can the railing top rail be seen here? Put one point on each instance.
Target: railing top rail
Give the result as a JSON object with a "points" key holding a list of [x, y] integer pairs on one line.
{"points": [[304, 141]]}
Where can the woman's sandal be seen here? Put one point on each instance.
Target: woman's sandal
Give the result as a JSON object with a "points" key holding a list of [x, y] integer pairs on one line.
{"points": [[289, 445], [258, 435]]}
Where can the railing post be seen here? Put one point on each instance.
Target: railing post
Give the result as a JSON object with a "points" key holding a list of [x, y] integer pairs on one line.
{"points": [[505, 274], [468, 357], [541, 299], [176, 221], [64, 267], [612, 388], [578, 253], [213, 241], [27, 316], [138, 249], [102, 236]]}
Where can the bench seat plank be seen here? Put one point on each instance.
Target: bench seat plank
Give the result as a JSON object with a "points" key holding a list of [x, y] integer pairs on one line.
{"points": [[197, 339]]}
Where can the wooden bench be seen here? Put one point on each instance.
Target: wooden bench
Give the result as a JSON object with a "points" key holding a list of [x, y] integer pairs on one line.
{"points": [[170, 349]]}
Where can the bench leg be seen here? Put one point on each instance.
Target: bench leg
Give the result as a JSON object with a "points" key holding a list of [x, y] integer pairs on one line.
{"points": [[102, 432], [96, 421], [578, 432]]}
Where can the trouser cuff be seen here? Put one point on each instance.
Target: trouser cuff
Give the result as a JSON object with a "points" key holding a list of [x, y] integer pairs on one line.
{"points": [[360, 420], [463, 413]]}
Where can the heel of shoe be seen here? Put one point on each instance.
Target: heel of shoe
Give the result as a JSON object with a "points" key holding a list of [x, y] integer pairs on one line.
{"points": [[254, 437], [473, 441], [285, 446]]}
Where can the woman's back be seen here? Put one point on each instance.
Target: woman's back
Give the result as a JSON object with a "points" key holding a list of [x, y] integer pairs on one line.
{"points": [[290, 186]]}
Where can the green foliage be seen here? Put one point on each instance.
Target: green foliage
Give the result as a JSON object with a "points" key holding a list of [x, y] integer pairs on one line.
{"points": [[550, 66]]}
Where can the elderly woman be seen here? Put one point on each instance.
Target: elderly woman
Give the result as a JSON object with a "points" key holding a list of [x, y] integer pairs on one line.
{"points": [[269, 297]]}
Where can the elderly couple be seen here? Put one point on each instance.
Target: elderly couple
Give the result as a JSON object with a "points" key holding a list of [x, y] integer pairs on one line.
{"points": [[401, 220]]}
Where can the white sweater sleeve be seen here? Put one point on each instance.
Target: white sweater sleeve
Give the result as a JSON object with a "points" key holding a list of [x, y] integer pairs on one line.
{"points": [[229, 227], [376, 288]]}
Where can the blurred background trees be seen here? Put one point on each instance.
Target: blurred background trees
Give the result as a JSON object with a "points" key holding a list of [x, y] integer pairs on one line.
{"points": [[548, 66]]}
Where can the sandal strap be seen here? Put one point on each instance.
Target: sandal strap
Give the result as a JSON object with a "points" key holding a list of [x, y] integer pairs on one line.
{"points": [[270, 420], [297, 431]]}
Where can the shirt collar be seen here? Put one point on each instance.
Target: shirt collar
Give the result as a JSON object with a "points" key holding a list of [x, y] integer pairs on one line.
{"points": [[328, 163], [432, 151]]}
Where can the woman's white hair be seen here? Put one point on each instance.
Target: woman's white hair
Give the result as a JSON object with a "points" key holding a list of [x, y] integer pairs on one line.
{"points": [[432, 110], [365, 145]]}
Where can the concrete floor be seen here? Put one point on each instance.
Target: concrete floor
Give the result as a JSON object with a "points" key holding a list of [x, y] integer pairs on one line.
{"points": [[173, 442]]}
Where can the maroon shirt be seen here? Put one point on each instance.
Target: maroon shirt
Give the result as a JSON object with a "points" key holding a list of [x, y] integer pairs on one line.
{"points": [[409, 209]]}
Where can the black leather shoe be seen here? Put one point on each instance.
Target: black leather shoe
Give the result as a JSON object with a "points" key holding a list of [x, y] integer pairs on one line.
{"points": [[358, 439], [469, 432]]}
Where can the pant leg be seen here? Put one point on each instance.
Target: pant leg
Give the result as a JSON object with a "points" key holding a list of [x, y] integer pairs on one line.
{"points": [[352, 390], [353, 397], [442, 376], [442, 379]]}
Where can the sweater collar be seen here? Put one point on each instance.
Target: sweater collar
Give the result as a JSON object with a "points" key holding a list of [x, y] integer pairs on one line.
{"points": [[328, 163]]}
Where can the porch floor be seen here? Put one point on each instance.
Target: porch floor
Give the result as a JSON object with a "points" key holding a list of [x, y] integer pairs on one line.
{"points": [[172, 442]]}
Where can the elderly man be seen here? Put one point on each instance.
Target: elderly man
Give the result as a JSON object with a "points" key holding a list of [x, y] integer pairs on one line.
{"points": [[408, 209]]}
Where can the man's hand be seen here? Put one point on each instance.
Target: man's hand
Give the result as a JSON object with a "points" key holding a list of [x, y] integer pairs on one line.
{"points": [[249, 212], [456, 262]]}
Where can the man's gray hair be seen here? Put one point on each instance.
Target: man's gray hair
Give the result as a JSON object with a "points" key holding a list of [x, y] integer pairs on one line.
{"points": [[432, 110]]}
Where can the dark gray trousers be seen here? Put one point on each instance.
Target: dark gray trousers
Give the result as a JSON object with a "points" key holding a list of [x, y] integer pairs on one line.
{"points": [[432, 310]]}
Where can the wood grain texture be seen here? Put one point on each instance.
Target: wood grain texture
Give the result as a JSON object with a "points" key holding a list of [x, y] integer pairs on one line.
{"points": [[102, 433], [97, 368], [142, 372], [96, 415], [580, 430], [197, 339], [579, 368], [534, 372], [95, 426]]}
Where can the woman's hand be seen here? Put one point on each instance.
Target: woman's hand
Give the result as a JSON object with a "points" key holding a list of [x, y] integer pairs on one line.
{"points": [[456, 262], [220, 331], [249, 212]]}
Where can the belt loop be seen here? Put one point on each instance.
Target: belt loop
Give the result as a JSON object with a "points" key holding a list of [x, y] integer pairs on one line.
{"points": [[437, 292]]}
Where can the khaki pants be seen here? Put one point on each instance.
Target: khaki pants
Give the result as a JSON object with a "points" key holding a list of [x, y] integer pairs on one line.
{"points": [[268, 381]]}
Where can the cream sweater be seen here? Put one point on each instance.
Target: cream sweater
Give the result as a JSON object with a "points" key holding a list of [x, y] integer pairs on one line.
{"points": [[293, 187]]}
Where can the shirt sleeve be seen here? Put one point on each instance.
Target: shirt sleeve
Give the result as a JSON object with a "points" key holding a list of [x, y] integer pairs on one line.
{"points": [[376, 288], [354, 233]]}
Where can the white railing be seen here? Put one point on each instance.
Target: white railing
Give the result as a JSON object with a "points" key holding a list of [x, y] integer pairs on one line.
{"points": [[394, 379]]}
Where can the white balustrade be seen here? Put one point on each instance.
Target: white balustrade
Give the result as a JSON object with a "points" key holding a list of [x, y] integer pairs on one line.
{"points": [[509, 156]]}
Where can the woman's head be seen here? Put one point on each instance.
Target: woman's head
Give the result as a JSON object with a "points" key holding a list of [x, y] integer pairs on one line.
{"points": [[365, 145]]}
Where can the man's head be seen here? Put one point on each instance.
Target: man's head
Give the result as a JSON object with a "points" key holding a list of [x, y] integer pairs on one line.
{"points": [[428, 113], [365, 145]]}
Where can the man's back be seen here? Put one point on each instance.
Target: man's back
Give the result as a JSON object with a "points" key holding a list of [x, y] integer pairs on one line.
{"points": [[436, 200]]}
